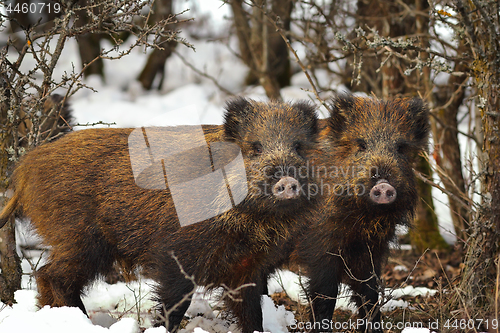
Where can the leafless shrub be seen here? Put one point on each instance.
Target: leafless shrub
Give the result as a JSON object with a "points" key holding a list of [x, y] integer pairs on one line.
{"points": [[31, 114]]}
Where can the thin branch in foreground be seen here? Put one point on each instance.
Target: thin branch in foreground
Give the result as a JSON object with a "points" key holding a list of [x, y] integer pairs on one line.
{"points": [[100, 122]]}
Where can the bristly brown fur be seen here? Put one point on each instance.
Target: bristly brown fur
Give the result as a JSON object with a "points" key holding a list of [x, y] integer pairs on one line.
{"points": [[366, 140], [63, 123]]}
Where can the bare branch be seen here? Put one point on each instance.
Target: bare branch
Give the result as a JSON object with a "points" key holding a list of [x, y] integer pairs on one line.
{"points": [[204, 74]]}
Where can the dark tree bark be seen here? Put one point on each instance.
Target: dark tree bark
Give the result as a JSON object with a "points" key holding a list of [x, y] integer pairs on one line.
{"points": [[155, 66], [445, 132], [10, 263], [481, 273], [425, 233], [262, 48], [20, 20], [279, 61], [89, 45]]}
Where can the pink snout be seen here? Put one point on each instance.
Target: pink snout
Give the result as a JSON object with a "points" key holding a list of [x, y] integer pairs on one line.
{"points": [[383, 193], [286, 188]]}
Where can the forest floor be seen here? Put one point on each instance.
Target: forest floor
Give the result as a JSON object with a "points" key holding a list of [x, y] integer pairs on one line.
{"points": [[436, 270]]}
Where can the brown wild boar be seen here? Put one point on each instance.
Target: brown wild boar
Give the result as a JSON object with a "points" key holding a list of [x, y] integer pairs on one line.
{"points": [[368, 188], [94, 204]]}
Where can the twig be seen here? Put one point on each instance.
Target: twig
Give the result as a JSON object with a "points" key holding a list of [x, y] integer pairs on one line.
{"points": [[204, 74], [461, 200], [100, 122], [348, 270], [297, 58], [493, 43], [497, 291], [414, 267], [185, 298]]}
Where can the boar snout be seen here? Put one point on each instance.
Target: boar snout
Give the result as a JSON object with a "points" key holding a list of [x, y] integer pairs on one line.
{"points": [[286, 188], [383, 192]]}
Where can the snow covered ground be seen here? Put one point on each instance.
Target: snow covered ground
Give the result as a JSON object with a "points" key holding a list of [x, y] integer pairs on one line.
{"points": [[126, 307]]}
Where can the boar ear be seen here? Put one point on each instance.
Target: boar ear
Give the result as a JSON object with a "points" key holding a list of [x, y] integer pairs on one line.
{"points": [[237, 111], [420, 115], [340, 107], [308, 111]]}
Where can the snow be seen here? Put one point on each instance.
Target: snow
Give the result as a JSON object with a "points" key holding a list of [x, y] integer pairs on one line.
{"points": [[402, 268], [276, 319], [23, 317], [114, 308], [290, 283], [411, 291], [186, 98]]}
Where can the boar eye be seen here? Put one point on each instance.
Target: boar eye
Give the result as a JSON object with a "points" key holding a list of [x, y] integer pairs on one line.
{"points": [[257, 148], [361, 144], [297, 146], [401, 147]]}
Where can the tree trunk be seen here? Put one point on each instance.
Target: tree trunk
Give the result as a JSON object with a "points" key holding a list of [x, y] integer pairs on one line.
{"points": [[155, 66], [21, 20], [480, 275], [89, 45], [425, 233], [262, 48], [445, 133], [279, 61], [10, 263], [480, 278]]}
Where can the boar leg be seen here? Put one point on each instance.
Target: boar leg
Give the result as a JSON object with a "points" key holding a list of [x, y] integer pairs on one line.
{"points": [[323, 290], [58, 291], [61, 280], [264, 279], [366, 295], [174, 297], [246, 306]]}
